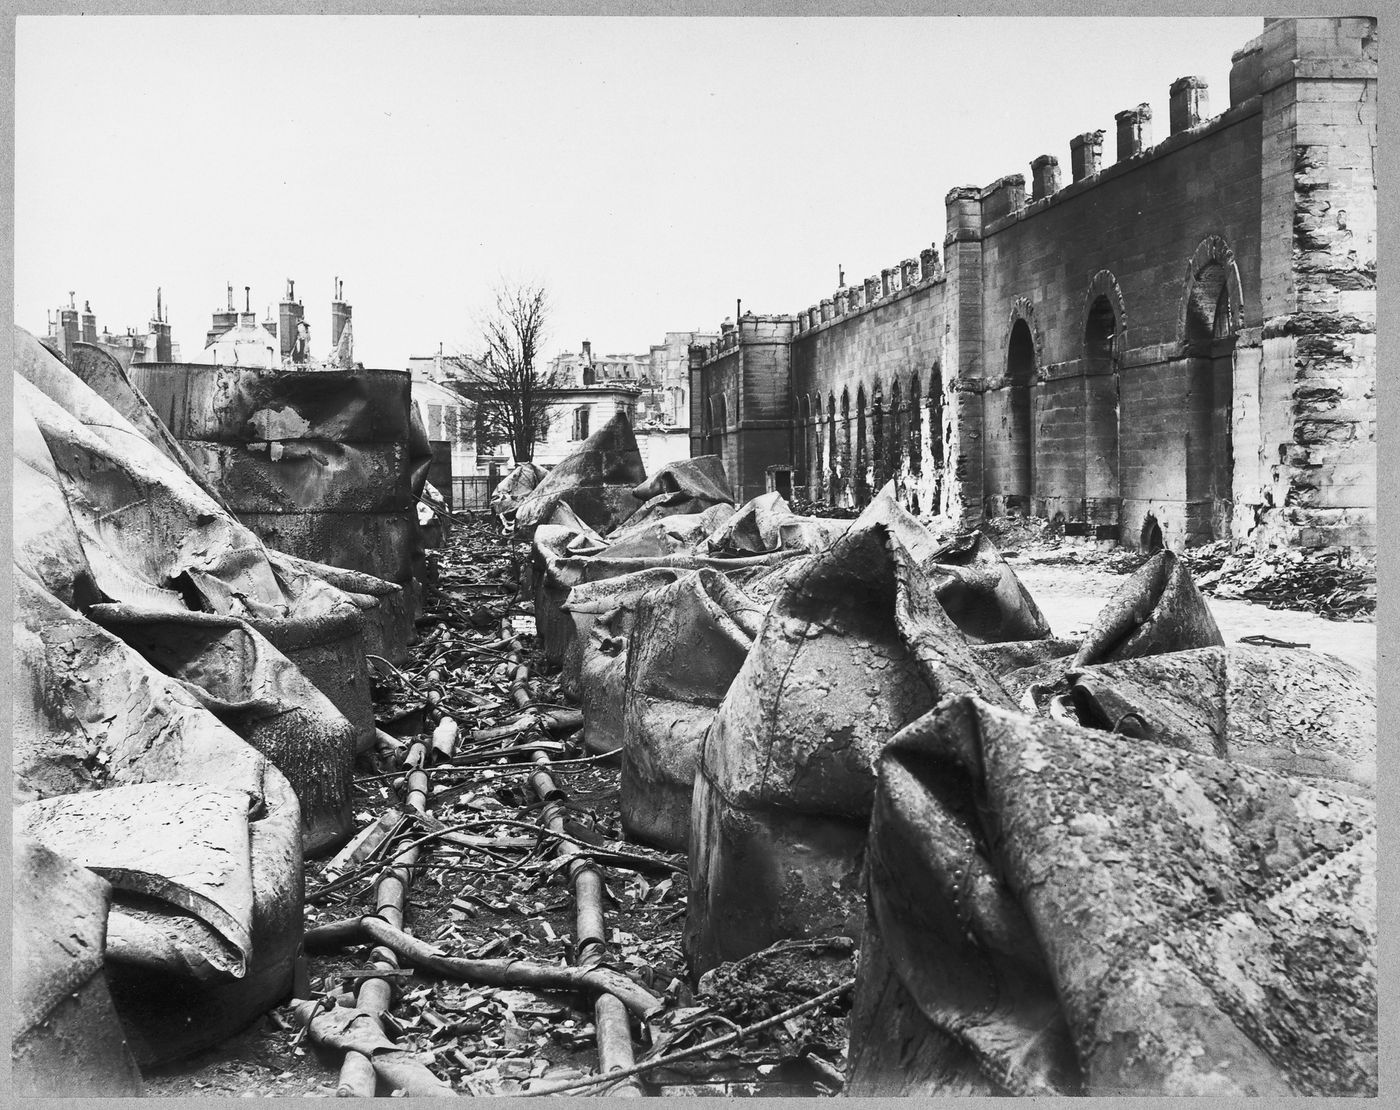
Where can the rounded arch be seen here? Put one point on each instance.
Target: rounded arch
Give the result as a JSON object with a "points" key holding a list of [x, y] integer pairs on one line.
{"points": [[1023, 330], [862, 456], [915, 425], [1102, 300], [1015, 472], [1103, 334], [1211, 315], [1212, 300]]}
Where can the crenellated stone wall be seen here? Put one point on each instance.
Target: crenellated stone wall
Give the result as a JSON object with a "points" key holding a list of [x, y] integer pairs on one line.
{"points": [[1177, 344]]}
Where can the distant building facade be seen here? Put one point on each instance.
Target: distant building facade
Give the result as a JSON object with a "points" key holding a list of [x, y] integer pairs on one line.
{"points": [[67, 326], [448, 417]]}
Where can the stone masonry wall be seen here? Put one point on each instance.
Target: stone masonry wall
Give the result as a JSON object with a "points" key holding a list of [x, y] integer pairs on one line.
{"points": [[891, 351], [1176, 346]]}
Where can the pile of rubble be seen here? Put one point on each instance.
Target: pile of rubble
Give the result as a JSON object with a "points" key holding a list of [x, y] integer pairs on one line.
{"points": [[669, 795], [1286, 579], [1312, 582]]}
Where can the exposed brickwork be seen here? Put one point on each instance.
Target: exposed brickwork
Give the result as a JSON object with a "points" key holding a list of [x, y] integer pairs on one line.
{"points": [[1182, 340]]}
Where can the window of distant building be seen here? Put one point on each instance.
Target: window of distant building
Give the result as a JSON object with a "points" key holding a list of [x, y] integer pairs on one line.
{"points": [[581, 422]]}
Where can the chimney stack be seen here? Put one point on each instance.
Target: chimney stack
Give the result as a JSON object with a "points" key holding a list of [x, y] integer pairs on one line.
{"points": [[289, 315], [1134, 131], [1045, 177], [1189, 103], [340, 314], [1085, 153]]}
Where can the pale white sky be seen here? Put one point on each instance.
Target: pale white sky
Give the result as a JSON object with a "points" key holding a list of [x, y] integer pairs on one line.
{"points": [[649, 171]]}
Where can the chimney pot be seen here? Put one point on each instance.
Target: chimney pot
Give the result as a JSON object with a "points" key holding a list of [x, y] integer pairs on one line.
{"points": [[1045, 177], [1189, 103], [1134, 131], [1085, 153]]}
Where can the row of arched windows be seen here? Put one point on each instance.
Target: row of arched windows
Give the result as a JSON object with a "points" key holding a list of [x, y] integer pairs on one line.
{"points": [[845, 450], [1114, 417]]}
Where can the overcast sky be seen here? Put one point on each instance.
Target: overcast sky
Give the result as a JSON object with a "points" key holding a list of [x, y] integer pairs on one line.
{"points": [[647, 171]]}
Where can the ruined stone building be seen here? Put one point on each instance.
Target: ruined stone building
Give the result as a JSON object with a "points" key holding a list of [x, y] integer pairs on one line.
{"points": [[662, 375], [1175, 345]]}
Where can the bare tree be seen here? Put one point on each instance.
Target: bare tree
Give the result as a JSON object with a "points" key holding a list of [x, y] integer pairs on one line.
{"points": [[510, 386]]}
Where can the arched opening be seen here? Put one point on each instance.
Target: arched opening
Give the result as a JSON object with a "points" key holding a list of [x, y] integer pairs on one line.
{"points": [[845, 446], [799, 440], [1151, 539], [1101, 419], [1020, 371], [861, 473], [833, 453], [878, 463], [895, 440], [1208, 344], [916, 417]]}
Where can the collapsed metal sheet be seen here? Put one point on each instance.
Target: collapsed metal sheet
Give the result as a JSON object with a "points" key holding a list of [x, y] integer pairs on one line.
{"points": [[686, 487], [91, 714], [515, 487], [322, 464], [66, 1040], [1158, 609], [252, 688], [328, 657], [596, 480], [593, 661], [687, 643], [384, 605], [853, 648], [114, 516], [603, 613], [177, 843], [1301, 713], [982, 594], [666, 535], [1054, 909]]}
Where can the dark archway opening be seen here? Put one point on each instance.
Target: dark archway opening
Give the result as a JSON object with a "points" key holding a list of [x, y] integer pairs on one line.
{"points": [[862, 478], [1101, 421], [1209, 346], [1020, 370], [1151, 539]]}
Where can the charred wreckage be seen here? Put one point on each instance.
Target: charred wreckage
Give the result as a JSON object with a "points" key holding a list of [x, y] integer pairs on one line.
{"points": [[935, 846], [1138, 861]]}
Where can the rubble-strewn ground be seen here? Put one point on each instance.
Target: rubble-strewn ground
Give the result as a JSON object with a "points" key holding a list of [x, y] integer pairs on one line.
{"points": [[511, 899]]}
